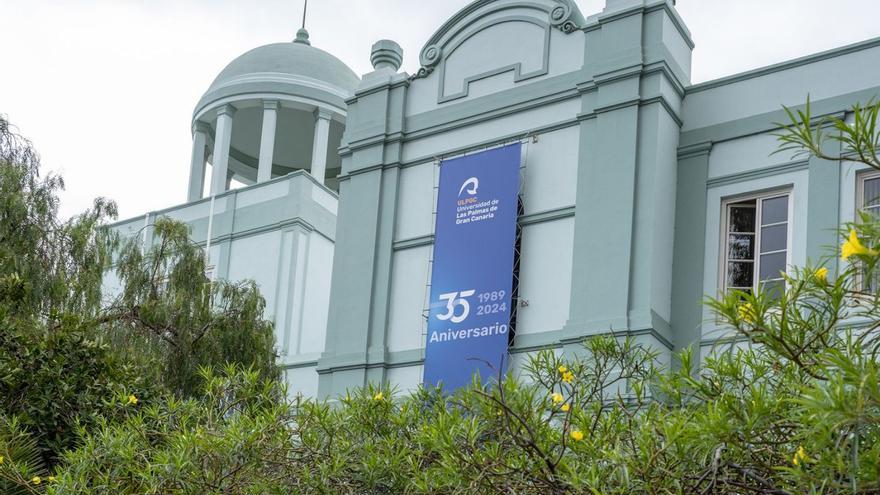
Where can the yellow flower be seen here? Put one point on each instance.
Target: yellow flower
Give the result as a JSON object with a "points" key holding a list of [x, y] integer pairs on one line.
{"points": [[800, 456], [576, 435], [132, 400], [565, 407], [822, 275], [746, 313], [36, 480], [379, 396], [853, 247], [51, 479], [557, 398], [568, 377], [562, 370], [1, 459]]}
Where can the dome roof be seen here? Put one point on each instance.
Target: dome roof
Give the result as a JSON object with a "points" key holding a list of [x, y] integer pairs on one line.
{"points": [[297, 59], [295, 68]]}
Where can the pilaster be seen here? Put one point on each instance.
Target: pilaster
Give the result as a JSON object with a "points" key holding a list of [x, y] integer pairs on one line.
{"points": [[690, 245], [356, 352], [636, 65], [823, 208]]}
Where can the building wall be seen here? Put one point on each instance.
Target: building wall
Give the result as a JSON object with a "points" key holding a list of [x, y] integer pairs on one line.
{"points": [[625, 169], [729, 149], [596, 108]]}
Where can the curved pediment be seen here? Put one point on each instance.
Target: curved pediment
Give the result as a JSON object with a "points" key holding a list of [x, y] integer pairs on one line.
{"points": [[491, 37]]}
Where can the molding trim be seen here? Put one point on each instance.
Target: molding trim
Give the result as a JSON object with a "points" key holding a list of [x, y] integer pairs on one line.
{"points": [[525, 343], [464, 149], [414, 242], [758, 173], [547, 216], [698, 149], [783, 66], [524, 220], [560, 14], [766, 122], [518, 75]]}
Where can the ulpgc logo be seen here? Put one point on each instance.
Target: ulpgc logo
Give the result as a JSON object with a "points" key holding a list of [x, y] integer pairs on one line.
{"points": [[474, 184], [469, 187]]}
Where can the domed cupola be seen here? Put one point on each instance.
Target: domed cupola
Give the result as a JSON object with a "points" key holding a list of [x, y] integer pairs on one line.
{"points": [[274, 110]]}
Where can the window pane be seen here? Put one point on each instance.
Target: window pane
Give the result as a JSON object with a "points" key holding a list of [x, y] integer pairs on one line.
{"points": [[773, 288], [774, 238], [742, 219], [741, 247], [874, 211], [772, 265], [774, 210], [872, 192], [740, 274]]}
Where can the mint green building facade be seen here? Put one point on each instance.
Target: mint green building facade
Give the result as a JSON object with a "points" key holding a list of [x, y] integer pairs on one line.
{"points": [[641, 192]]}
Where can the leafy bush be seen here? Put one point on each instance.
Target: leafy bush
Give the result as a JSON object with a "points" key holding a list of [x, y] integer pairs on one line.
{"points": [[68, 360], [54, 381]]}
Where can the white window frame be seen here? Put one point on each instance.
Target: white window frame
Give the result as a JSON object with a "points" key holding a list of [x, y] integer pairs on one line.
{"points": [[862, 176], [724, 250]]}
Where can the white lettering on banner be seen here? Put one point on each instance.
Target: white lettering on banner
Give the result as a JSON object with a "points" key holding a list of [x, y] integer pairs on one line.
{"points": [[451, 335], [470, 211]]}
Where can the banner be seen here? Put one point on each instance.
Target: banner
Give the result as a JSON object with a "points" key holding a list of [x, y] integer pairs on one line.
{"points": [[472, 277]]}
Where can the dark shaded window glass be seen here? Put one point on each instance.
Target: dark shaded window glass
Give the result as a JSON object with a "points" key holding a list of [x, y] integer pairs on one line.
{"points": [[774, 210], [741, 247], [740, 274], [742, 218], [772, 265], [774, 238]]}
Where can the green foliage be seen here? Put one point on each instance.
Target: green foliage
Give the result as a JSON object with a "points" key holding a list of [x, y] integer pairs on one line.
{"points": [[47, 266], [58, 380], [69, 362], [232, 438], [21, 464], [169, 309]]}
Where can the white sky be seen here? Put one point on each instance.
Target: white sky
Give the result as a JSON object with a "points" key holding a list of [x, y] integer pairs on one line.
{"points": [[105, 88]]}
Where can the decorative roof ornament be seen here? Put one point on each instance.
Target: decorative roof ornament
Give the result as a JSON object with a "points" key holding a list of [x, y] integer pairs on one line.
{"points": [[386, 54], [566, 17], [302, 35]]}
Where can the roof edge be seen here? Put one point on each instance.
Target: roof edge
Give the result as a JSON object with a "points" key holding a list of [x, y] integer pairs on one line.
{"points": [[783, 66]]}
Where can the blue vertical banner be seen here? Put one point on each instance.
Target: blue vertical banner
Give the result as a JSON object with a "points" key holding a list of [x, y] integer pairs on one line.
{"points": [[472, 277]]}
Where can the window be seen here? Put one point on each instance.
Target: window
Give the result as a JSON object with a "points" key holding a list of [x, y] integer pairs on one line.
{"points": [[868, 201], [869, 193], [756, 243]]}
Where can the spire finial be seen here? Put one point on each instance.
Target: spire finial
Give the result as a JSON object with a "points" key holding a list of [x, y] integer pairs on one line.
{"points": [[305, 10], [302, 36]]}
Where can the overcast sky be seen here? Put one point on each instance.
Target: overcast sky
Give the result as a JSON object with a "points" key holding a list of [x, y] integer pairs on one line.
{"points": [[106, 88]]}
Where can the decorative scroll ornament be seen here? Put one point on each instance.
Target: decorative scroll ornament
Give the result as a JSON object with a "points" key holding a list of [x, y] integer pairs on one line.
{"points": [[429, 58], [566, 17], [430, 55], [563, 15]]}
